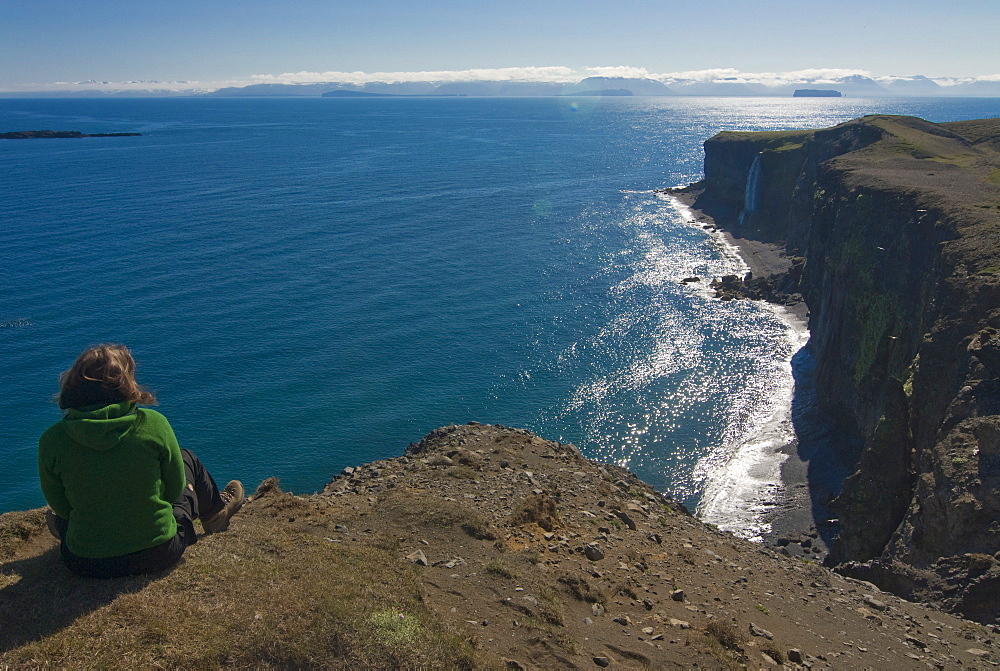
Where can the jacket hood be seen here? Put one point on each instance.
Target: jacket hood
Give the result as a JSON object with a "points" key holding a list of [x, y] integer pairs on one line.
{"points": [[100, 427]]}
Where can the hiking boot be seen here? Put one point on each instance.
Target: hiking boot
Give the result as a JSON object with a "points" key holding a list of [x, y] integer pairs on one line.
{"points": [[52, 522], [233, 497]]}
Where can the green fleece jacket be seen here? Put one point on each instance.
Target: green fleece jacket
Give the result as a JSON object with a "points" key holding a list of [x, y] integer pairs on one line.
{"points": [[113, 472]]}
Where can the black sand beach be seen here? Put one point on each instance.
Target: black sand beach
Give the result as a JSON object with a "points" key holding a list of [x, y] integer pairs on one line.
{"points": [[800, 519]]}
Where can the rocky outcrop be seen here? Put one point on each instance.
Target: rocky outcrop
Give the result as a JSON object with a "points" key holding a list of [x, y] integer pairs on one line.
{"points": [[781, 288], [898, 220]]}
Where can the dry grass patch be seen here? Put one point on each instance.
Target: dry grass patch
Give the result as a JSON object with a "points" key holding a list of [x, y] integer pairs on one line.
{"points": [[17, 528], [582, 590], [726, 643], [500, 569], [430, 512], [537, 509], [262, 595]]}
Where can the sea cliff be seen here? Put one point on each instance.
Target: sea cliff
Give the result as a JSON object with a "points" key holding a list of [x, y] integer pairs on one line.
{"points": [[898, 222]]}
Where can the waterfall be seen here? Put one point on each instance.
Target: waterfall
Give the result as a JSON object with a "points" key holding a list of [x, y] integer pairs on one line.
{"points": [[751, 191]]}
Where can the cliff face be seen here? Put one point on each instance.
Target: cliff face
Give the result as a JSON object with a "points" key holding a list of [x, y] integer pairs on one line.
{"points": [[899, 222]]}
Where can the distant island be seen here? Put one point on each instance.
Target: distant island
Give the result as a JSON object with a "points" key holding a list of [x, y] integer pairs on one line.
{"points": [[602, 92], [345, 93], [816, 93], [35, 134]]}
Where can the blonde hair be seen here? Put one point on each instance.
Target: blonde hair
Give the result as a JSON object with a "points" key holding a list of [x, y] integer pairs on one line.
{"points": [[102, 374]]}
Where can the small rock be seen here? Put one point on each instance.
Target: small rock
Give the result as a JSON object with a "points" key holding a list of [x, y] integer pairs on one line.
{"points": [[602, 661], [757, 631], [623, 620], [440, 460], [674, 622], [976, 652], [647, 630], [593, 552], [597, 609], [795, 656], [348, 470], [626, 520], [418, 557], [340, 528], [588, 620], [874, 603], [677, 595]]}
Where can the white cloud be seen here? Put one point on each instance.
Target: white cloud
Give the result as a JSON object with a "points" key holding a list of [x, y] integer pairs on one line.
{"points": [[732, 75], [620, 71], [523, 74], [711, 75], [137, 85]]}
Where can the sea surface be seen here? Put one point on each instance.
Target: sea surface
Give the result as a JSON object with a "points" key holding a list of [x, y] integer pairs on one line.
{"points": [[309, 284]]}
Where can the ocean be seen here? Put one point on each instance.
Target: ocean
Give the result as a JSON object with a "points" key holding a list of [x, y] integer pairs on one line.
{"points": [[314, 283]]}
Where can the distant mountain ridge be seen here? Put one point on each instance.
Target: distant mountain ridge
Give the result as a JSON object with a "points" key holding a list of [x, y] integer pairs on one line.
{"points": [[851, 86]]}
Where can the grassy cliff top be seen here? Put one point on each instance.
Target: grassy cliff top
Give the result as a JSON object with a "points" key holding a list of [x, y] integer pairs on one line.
{"points": [[951, 169], [482, 547], [954, 171]]}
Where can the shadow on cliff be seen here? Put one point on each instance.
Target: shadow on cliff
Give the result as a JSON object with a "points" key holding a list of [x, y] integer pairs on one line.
{"points": [[821, 443], [43, 597]]}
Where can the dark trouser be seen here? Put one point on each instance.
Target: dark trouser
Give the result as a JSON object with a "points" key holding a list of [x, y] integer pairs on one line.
{"points": [[200, 498]]}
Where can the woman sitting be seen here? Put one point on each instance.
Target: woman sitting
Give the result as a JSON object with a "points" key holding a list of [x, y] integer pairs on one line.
{"points": [[124, 494]]}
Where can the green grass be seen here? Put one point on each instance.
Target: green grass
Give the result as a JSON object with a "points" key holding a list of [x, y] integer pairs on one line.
{"points": [[789, 146]]}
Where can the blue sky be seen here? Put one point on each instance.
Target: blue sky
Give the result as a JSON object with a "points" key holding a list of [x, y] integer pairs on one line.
{"points": [[231, 41]]}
